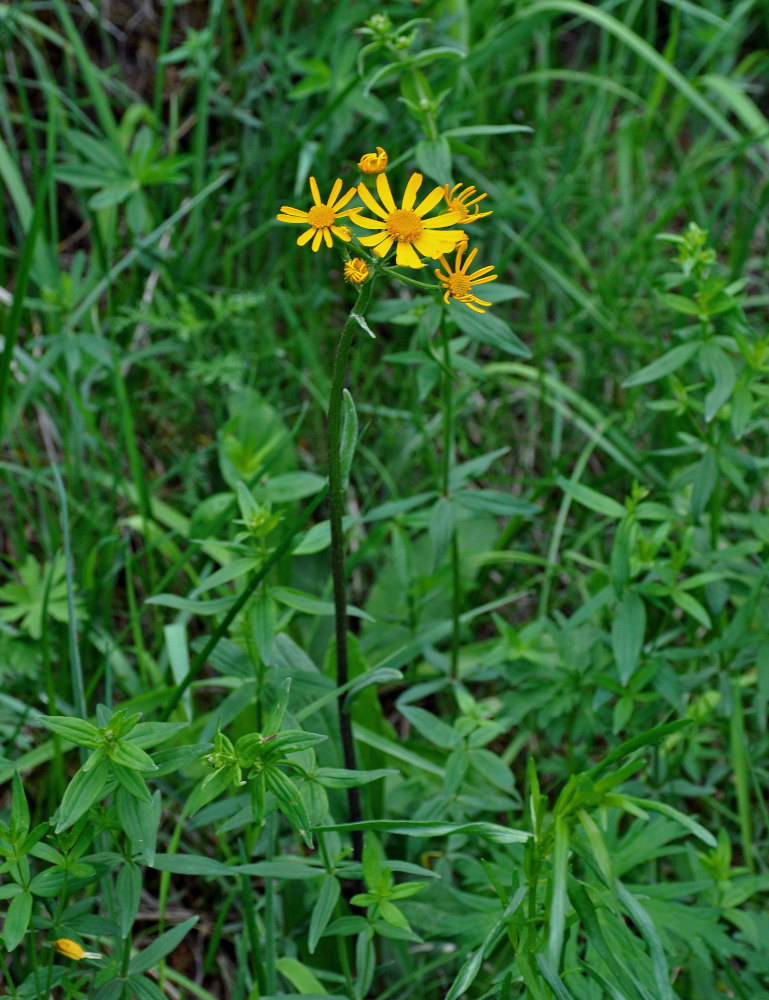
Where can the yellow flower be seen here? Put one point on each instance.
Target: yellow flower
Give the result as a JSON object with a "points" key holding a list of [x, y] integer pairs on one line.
{"points": [[320, 217], [356, 271], [463, 241], [373, 163], [459, 200], [458, 284], [406, 226], [71, 949]]}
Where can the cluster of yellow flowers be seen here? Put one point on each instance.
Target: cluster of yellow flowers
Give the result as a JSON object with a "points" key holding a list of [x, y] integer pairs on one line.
{"points": [[409, 227]]}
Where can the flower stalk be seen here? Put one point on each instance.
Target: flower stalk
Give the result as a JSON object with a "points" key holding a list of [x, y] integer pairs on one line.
{"points": [[336, 499]]}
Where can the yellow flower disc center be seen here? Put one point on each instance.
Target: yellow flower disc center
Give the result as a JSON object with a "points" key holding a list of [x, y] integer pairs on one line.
{"points": [[404, 225], [459, 285], [321, 217]]}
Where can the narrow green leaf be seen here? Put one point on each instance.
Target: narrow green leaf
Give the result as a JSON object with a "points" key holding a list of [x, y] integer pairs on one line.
{"points": [[719, 368], [289, 802], [132, 781], [175, 635], [275, 719], [85, 734], [668, 363], [300, 976], [645, 925], [126, 754], [691, 824], [17, 920], [495, 502], [592, 499], [140, 823], [349, 436], [310, 605], [558, 902], [428, 828], [441, 529], [592, 929], [433, 158], [323, 910], [84, 789], [162, 946], [128, 890], [20, 818], [680, 303], [627, 633], [144, 989], [338, 777], [692, 607], [553, 980], [647, 738], [487, 328], [431, 727]]}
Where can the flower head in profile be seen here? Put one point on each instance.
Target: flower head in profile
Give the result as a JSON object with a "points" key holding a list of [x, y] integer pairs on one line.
{"points": [[71, 949], [458, 284], [406, 226], [461, 200], [321, 218], [373, 163], [356, 271]]}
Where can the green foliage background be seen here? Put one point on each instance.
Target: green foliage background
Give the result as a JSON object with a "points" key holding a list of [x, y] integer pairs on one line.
{"points": [[557, 527]]}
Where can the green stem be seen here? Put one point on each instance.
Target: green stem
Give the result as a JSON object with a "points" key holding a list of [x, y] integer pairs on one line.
{"points": [[448, 463], [336, 499]]}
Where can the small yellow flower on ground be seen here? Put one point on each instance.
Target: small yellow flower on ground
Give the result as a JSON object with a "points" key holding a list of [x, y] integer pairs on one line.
{"points": [[406, 226], [321, 217], [71, 949], [458, 284], [460, 200], [373, 163], [356, 271]]}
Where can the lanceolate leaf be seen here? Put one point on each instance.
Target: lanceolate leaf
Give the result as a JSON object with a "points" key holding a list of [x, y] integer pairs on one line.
{"points": [[289, 802], [85, 788]]}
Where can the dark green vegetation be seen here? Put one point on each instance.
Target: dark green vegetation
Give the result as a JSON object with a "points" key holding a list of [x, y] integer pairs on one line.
{"points": [[557, 558]]}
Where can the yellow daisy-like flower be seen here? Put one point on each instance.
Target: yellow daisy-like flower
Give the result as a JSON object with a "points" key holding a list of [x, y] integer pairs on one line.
{"points": [[71, 949], [356, 271], [458, 284], [460, 199], [373, 163], [321, 217], [406, 226]]}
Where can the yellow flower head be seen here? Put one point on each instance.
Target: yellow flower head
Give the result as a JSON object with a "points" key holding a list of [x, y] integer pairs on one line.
{"points": [[373, 163], [458, 284], [71, 949], [460, 200], [321, 217], [406, 226], [356, 271]]}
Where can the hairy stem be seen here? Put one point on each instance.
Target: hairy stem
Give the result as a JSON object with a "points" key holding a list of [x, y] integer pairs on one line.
{"points": [[336, 499]]}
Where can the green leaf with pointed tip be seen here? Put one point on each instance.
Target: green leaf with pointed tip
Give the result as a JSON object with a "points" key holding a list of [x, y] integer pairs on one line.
{"points": [[349, 436], [289, 802], [17, 919], [85, 734], [162, 946], [128, 755], [278, 710], [84, 789], [128, 890], [323, 910], [19, 808]]}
